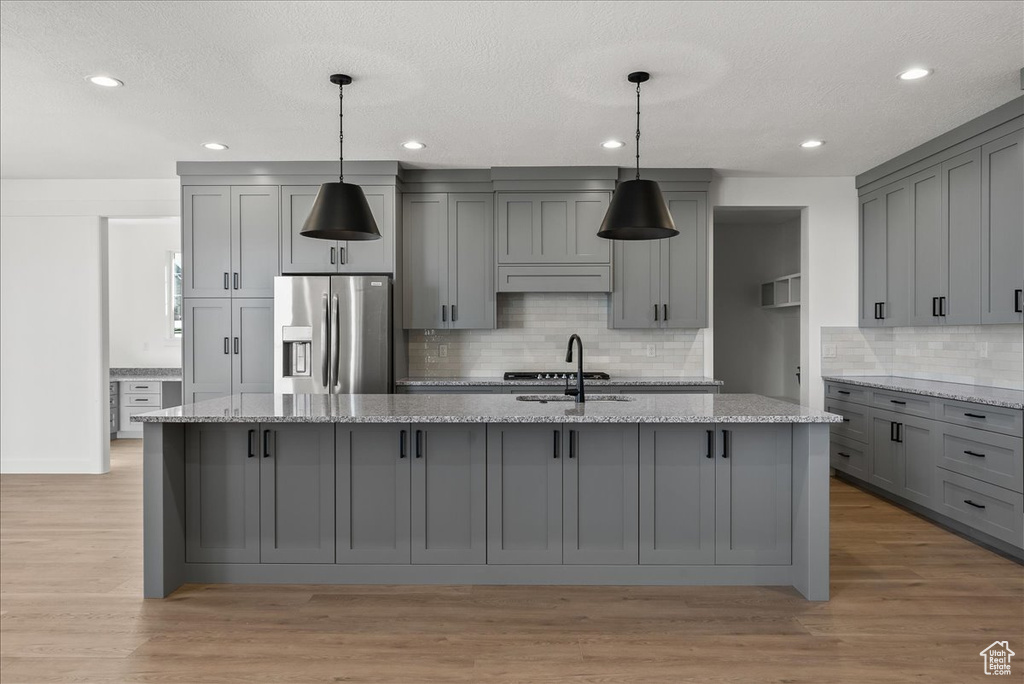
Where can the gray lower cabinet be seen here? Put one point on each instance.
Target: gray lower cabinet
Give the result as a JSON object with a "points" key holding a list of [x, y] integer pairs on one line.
{"points": [[884, 466], [206, 352], [524, 494], [600, 495], [1002, 230], [903, 455], [677, 495], [296, 493], [372, 493], [449, 486], [753, 495], [885, 218], [222, 494]]}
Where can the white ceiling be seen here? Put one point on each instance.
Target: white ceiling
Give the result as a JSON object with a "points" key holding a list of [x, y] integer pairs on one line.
{"points": [[736, 85]]}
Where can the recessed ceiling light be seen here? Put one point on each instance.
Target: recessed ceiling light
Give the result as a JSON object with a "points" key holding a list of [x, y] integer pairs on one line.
{"points": [[215, 146], [914, 74], [105, 81], [612, 144], [812, 143], [413, 145]]}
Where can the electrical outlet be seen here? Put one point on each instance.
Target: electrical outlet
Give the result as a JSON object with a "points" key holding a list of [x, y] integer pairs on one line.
{"points": [[442, 350], [983, 350], [652, 351], [828, 351]]}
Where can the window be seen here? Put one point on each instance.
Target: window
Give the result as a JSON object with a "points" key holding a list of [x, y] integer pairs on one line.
{"points": [[174, 306]]}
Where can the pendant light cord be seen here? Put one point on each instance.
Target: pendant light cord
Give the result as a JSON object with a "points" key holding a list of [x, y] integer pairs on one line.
{"points": [[341, 133], [638, 131]]}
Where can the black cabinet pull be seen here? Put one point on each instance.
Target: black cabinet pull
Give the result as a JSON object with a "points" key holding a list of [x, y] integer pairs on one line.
{"points": [[846, 420], [332, 255], [572, 446], [892, 432], [235, 279], [973, 453], [419, 444], [655, 312], [711, 445], [897, 401], [252, 443], [881, 310], [558, 439], [843, 454], [236, 346], [942, 306], [974, 415], [935, 306], [726, 443], [842, 391], [227, 346], [1018, 301], [455, 313], [899, 432], [971, 503], [664, 312], [227, 286], [266, 444], [444, 313], [401, 444], [342, 254]]}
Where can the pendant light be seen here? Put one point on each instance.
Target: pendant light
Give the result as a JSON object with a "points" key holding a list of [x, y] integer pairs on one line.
{"points": [[637, 211], [340, 211]]}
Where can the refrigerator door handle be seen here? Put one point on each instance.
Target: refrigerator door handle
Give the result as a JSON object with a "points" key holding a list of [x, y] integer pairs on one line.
{"points": [[323, 341], [335, 339]]}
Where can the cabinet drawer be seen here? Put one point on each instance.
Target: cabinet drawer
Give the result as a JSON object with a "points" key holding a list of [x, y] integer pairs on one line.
{"points": [[849, 457], [902, 403], [125, 423], [858, 395], [993, 418], [986, 456], [985, 507], [142, 400], [855, 420], [142, 387]]}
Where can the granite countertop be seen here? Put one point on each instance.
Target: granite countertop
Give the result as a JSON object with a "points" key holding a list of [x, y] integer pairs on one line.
{"points": [[626, 381], [145, 374], [496, 408], [977, 394]]}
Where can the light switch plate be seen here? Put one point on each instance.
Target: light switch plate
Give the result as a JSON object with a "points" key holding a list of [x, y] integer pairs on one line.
{"points": [[652, 351], [828, 351]]}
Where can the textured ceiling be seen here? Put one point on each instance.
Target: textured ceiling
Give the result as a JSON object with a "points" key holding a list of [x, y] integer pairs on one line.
{"points": [[736, 85]]}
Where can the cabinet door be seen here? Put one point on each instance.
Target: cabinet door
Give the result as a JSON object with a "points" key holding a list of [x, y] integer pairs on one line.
{"points": [[524, 494], [1002, 230], [885, 452], [927, 251], [252, 346], [636, 284], [206, 342], [255, 212], [425, 255], [297, 493], [677, 495], [885, 223], [449, 506], [301, 254], [552, 228], [920, 442], [600, 495], [471, 261], [373, 256], [206, 240], [372, 493], [961, 231], [753, 482], [222, 494], [684, 263]]}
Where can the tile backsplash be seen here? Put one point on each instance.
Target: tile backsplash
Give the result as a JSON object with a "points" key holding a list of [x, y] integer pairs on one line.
{"points": [[991, 355], [533, 329]]}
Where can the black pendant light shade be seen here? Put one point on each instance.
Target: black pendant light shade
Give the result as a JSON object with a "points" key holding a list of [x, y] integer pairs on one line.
{"points": [[340, 211], [638, 210]]}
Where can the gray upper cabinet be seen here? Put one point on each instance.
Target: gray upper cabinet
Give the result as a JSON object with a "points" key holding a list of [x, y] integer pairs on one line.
{"points": [[206, 349], [600, 495], [206, 240], [222, 494], [372, 495], [524, 494], [296, 493], [448, 258], [372, 256], [677, 495], [927, 250], [449, 508], [961, 239], [753, 482], [254, 229], [885, 219], [252, 346], [663, 283], [1002, 230]]}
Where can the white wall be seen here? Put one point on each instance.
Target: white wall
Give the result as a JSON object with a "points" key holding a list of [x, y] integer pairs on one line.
{"points": [[757, 350], [138, 266], [53, 316], [828, 260]]}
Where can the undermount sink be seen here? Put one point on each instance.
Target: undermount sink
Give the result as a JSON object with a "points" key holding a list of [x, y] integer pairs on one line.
{"points": [[545, 398]]}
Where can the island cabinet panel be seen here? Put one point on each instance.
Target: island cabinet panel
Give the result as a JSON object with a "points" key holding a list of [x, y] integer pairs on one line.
{"points": [[222, 494], [297, 493], [372, 495], [449, 506], [677, 495], [753, 499], [524, 494]]}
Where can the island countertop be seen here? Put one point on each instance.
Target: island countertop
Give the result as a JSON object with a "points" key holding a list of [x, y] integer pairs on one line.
{"points": [[615, 381], [458, 408]]}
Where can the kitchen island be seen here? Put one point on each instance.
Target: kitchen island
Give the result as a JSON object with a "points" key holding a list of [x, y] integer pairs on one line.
{"points": [[726, 489]]}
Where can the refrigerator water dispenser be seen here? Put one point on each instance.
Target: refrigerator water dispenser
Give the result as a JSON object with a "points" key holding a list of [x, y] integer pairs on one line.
{"points": [[298, 350]]}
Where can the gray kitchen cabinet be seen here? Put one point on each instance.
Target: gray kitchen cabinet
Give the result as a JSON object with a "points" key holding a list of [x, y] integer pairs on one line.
{"points": [[753, 495], [926, 249], [885, 218], [1002, 230], [449, 507], [206, 240], [296, 493], [600, 495], [663, 283], [254, 229], [206, 353], [961, 239], [448, 259], [552, 228], [372, 494], [252, 346], [222, 494], [677, 495], [884, 463], [524, 494], [919, 442]]}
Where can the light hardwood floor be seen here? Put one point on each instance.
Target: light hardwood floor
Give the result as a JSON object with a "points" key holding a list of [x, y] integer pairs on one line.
{"points": [[910, 602]]}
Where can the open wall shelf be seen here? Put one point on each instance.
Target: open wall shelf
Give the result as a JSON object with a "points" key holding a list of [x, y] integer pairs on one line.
{"points": [[781, 293]]}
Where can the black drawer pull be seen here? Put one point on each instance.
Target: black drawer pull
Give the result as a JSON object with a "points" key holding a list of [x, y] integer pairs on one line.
{"points": [[711, 445], [846, 420], [401, 444], [572, 444], [844, 455], [266, 444], [975, 415], [897, 401], [842, 391], [973, 453], [252, 440], [971, 503], [558, 440], [419, 444], [726, 443]]}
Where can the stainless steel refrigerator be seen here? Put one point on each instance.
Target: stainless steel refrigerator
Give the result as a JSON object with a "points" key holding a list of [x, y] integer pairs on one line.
{"points": [[332, 334]]}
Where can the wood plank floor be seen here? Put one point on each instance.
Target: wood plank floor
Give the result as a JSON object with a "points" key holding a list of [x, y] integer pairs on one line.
{"points": [[911, 602]]}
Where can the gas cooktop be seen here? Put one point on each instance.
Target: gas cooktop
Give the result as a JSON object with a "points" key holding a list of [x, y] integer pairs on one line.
{"points": [[554, 375]]}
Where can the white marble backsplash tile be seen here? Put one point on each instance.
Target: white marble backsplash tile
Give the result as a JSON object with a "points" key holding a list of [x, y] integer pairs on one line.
{"points": [[991, 355], [533, 329]]}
